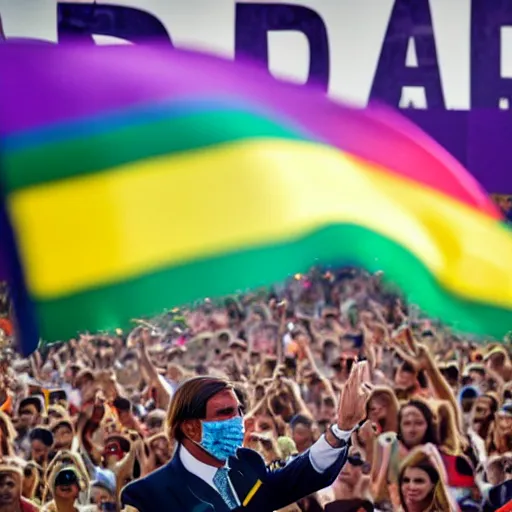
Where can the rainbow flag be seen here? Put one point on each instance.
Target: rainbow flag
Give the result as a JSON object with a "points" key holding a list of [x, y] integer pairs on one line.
{"points": [[138, 178]]}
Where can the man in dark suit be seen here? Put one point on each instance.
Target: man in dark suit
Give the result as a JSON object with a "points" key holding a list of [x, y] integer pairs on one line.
{"points": [[211, 473]]}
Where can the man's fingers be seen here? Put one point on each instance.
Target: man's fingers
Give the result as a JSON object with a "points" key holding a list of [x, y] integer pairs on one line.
{"points": [[362, 370], [352, 378]]}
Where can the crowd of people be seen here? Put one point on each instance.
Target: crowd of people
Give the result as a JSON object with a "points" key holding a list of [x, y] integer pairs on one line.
{"points": [[80, 420]]}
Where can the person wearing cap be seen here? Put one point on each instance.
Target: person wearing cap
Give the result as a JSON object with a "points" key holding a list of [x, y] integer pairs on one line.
{"points": [[66, 484], [498, 361], [104, 492], [75, 459], [154, 421], [210, 470], [63, 434], [11, 480], [57, 412]]}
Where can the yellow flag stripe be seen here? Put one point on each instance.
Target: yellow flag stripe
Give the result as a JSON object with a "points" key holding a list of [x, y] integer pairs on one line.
{"points": [[117, 225]]}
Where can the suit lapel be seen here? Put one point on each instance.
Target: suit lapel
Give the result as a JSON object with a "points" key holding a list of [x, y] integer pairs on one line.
{"points": [[193, 493], [245, 479]]}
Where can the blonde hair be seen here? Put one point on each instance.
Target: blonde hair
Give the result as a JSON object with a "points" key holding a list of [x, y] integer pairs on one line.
{"points": [[386, 394], [448, 433], [428, 459]]}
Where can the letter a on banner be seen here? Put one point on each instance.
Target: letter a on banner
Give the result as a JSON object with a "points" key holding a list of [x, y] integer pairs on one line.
{"points": [[255, 20], [409, 19]]}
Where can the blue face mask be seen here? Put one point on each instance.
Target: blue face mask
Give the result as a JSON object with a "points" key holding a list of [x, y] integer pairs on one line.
{"points": [[221, 439]]}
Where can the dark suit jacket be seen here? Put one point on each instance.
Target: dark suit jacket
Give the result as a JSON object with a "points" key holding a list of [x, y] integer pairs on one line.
{"points": [[174, 489]]}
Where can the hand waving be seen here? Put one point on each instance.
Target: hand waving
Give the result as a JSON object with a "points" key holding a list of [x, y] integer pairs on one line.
{"points": [[352, 408]]}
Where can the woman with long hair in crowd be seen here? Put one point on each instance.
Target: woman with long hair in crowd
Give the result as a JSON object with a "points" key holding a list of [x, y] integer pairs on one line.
{"points": [[421, 483], [416, 427]]}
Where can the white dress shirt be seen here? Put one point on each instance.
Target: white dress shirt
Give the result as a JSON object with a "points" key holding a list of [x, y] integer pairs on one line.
{"points": [[322, 455], [203, 471]]}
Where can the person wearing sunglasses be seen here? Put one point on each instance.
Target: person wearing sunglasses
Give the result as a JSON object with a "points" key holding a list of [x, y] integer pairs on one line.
{"points": [[354, 479], [103, 494]]}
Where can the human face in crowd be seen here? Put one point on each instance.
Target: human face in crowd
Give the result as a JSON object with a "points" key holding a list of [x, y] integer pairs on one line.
{"points": [[63, 438], [416, 487], [39, 451], [112, 454], [303, 436], [100, 495], [352, 472], [482, 412], [161, 447], [404, 379], [477, 377], [265, 424], [154, 427], [504, 423], [279, 394], [67, 492], [377, 410], [496, 362], [28, 417], [10, 490], [413, 427]]}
